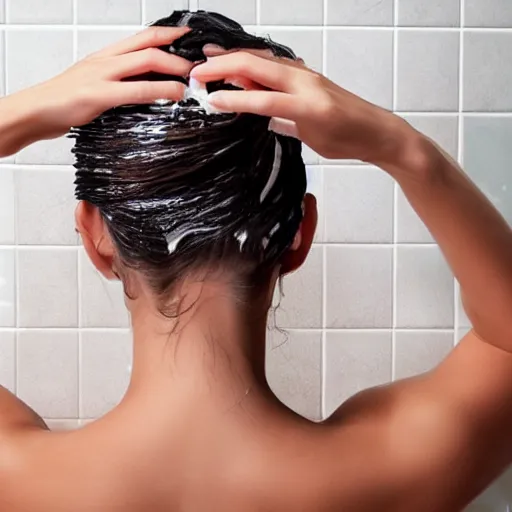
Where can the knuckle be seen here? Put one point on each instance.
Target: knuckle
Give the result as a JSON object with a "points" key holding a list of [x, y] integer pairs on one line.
{"points": [[154, 35]]}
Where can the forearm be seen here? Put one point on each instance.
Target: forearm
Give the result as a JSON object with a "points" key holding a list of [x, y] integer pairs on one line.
{"points": [[19, 122], [474, 237]]}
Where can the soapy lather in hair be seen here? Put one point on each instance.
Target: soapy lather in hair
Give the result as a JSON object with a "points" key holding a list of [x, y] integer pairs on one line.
{"points": [[173, 179]]}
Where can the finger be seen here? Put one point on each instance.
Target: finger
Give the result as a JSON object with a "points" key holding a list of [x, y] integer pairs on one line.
{"points": [[284, 127], [214, 50], [263, 103], [130, 93], [144, 61], [274, 74], [149, 38]]}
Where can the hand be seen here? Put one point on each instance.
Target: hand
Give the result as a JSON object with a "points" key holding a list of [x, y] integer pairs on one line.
{"points": [[329, 119], [97, 84]]}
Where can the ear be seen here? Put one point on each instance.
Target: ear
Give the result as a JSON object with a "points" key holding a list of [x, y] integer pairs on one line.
{"points": [[298, 252], [96, 238]]}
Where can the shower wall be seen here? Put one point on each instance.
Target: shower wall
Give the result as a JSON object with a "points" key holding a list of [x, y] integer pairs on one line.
{"points": [[375, 300]]}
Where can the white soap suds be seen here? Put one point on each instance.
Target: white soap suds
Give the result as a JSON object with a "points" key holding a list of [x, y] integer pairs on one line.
{"points": [[275, 171]]}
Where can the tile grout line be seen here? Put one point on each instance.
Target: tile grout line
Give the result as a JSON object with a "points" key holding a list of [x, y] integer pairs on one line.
{"points": [[143, 20], [385, 28], [323, 346], [78, 263], [258, 12], [294, 329], [395, 200], [460, 154]]}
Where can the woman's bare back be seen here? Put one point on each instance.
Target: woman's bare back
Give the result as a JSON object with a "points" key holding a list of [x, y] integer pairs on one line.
{"points": [[398, 447]]}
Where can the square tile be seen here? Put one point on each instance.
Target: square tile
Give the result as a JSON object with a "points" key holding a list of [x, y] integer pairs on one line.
{"points": [[102, 301], [315, 176], [430, 13], [48, 372], [425, 289], [487, 72], [242, 12], [7, 288], [31, 11], [442, 129], [157, 9], [420, 352], [2, 11], [293, 368], [358, 205], [487, 146], [361, 61], [354, 361], [309, 156], [62, 425], [45, 206], [91, 41], [7, 360], [301, 12], [54, 54], [105, 371], [307, 44], [301, 303], [488, 13], [360, 12], [48, 152], [428, 71], [48, 291], [109, 12], [464, 321], [359, 287], [7, 206]]}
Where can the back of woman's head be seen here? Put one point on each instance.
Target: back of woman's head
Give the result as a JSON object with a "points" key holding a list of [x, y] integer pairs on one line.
{"points": [[182, 190]]}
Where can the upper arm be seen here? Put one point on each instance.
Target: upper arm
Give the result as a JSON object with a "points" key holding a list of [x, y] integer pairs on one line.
{"points": [[437, 440]]}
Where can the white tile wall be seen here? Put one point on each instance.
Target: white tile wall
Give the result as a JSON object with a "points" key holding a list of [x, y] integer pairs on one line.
{"points": [[45, 206], [29, 11], [372, 268], [7, 359], [355, 361], [33, 56], [424, 289], [105, 371], [358, 204], [7, 288], [153, 10], [427, 71], [487, 71], [7, 219], [47, 376], [361, 61], [434, 13], [243, 12], [109, 12], [360, 12]]}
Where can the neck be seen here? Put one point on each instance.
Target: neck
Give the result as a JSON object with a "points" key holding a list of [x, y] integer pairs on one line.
{"points": [[213, 353]]}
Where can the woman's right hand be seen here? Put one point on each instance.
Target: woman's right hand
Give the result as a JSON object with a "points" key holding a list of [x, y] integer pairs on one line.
{"points": [[94, 85], [332, 121]]}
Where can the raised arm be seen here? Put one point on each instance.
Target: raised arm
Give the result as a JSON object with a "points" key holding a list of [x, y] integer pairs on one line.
{"points": [[447, 433], [75, 97]]}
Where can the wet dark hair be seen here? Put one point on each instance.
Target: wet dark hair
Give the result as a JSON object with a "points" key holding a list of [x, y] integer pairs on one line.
{"points": [[181, 189]]}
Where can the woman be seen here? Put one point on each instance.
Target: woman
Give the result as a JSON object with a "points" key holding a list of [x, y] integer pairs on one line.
{"points": [[199, 429]]}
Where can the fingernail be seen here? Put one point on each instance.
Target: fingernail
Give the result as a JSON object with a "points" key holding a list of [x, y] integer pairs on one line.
{"points": [[215, 102]]}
